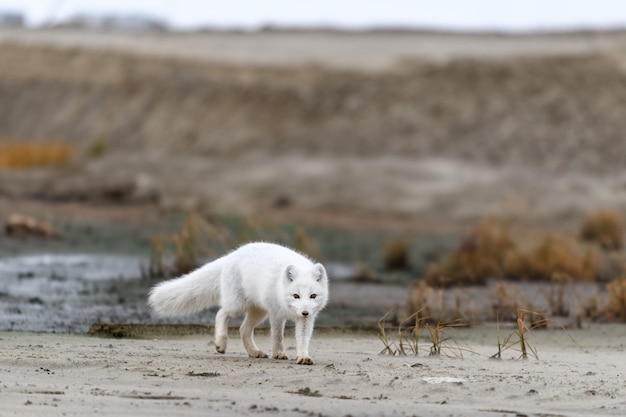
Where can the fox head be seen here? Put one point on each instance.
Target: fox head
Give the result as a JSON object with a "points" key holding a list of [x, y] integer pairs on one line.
{"points": [[305, 290]]}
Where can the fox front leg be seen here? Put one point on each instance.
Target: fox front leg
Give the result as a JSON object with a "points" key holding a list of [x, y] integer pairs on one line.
{"points": [[304, 330], [277, 326]]}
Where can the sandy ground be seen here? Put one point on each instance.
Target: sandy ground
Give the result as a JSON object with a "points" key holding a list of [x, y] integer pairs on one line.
{"points": [[579, 373]]}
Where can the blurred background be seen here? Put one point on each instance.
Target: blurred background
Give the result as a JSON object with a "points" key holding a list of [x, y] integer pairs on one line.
{"points": [[460, 159]]}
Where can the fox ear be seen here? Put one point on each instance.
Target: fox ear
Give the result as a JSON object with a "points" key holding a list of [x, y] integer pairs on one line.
{"points": [[290, 273], [319, 272]]}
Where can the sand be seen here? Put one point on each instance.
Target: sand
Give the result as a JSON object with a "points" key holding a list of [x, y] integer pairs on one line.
{"points": [[578, 373]]}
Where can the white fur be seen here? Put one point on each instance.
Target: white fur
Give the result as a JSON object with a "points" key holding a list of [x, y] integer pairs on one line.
{"points": [[258, 280]]}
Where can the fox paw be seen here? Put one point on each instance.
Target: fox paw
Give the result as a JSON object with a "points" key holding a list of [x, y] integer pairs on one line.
{"points": [[304, 360], [257, 354], [279, 355], [220, 345]]}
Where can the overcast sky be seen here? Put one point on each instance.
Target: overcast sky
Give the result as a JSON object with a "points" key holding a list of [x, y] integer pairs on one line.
{"points": [[440, 14]]}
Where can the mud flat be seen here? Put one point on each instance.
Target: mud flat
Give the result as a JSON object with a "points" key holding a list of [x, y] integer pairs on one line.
{"points": [[578, 373]]}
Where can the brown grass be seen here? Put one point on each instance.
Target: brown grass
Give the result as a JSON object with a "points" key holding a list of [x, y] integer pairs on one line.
{"points": [[419, 300], [396, 256], [615, 308], [200, 239], [480, 256], [433, 305], [363, 274], [518, 339], [506, 302], [186, 244], [407, 341], [489, 252], [181, 252], [554, 256], [16, 155], [605, 228], [411, 330], [556, 295]]}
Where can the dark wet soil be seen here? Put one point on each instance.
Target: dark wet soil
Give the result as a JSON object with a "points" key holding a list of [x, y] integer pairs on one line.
{"points": [[68, 293], [95, 273]]}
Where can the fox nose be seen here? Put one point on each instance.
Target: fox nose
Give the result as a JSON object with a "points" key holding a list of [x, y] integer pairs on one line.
{"points": [[305, 313]]}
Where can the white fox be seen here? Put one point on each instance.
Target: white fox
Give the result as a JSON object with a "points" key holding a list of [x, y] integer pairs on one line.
{"points": [[258, 279]]}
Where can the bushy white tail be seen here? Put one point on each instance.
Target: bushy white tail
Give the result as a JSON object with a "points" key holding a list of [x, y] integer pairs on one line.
{"points": [[188, 294]]}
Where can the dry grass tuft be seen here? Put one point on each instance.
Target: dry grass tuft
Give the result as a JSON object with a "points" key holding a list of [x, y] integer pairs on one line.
{"points": [[556, 296], [506, 301], [615, 309], [186, 243], [419, 300], [15, 155], [553, 257], [363, 274], [604, 227], [200, 238], [489, 255], [396, 257], [410, 331], [489, 252], [179, 253], [480, 256], [518, 339]]}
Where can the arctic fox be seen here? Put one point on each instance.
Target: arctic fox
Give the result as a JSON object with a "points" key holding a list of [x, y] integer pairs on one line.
{"points": [[258, 279]]}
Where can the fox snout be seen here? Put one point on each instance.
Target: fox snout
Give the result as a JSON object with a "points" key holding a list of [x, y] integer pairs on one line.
{"points": [[304, 310]]}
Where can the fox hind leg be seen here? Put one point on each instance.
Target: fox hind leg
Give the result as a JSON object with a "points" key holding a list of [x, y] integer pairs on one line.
{"points": [[254, 316], [221, 330]]}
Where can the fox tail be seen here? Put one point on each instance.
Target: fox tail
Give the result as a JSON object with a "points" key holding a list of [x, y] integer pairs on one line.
{"points": [[189, 293]]}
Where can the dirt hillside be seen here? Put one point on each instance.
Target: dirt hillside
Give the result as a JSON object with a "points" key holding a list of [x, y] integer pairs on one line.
{"points": [[483, 117]]}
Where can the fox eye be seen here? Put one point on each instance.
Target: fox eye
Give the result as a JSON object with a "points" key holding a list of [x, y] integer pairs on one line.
{"points": [[313, 295], [296, 296]]}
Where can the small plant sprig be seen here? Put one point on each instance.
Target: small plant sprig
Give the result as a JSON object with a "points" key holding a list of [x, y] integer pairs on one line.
{"points": [[408, 336], [436, 338], [498, 354], [519, 335], [389, 346]]}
